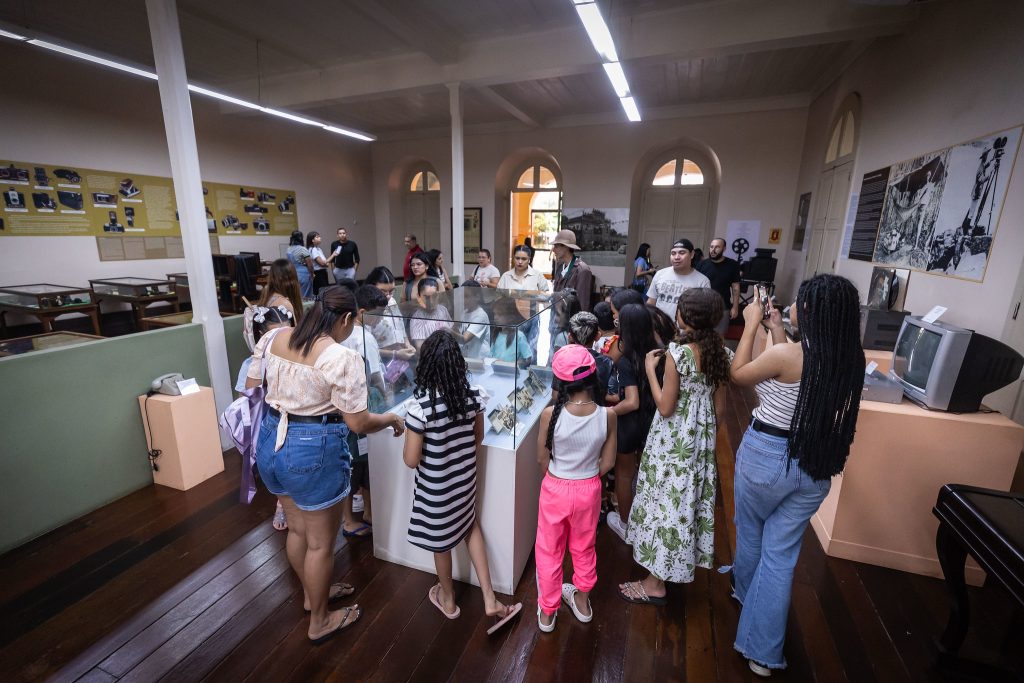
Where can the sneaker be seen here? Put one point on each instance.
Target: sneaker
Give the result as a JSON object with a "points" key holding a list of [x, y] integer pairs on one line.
{"points": [[616, 524], [759, 668], [357, 503]]}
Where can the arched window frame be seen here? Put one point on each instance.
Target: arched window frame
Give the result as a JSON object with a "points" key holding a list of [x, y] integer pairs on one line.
{"points": [[535, 184], [845, 127], [425, 170], [679, 171]]}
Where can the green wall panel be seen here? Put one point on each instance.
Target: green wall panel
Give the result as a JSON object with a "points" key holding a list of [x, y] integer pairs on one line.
{"points": [[72, 430]]}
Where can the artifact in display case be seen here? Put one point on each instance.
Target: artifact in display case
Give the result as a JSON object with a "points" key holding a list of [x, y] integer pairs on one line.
{"points": [[132, 287], [507, 339], [44, 296]]}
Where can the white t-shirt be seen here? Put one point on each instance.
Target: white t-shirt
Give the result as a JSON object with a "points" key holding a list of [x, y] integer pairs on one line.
{"points": [[317, 252], [532, 280], [369, 349], [478, 324], [668, 285], [486, 273]]}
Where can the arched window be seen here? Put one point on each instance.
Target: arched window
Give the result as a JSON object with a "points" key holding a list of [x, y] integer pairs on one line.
{"points": [[843, 138], [536, 204], [676, 172], [537, 177], [425, 181]]}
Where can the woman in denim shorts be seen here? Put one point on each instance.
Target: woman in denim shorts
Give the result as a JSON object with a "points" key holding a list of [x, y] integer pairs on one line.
{"points": [[797, 441], [316, 393]]}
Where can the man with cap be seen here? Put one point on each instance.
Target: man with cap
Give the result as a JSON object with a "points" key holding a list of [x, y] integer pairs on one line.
{"points": [[570, 272], [669, 283]]}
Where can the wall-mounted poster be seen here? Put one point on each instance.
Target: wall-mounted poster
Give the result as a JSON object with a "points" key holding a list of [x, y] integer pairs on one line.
{"points": [[942, 209], [603, 234], [472, 223], [803, 209], [42, 199]]}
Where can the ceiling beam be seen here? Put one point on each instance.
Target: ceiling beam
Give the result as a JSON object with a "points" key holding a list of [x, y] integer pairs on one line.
{"points": [[420, 31], [693, 31], [505, 104]]}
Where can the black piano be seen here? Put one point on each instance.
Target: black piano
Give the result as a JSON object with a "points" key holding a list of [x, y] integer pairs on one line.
{"points": [[989, 526]]}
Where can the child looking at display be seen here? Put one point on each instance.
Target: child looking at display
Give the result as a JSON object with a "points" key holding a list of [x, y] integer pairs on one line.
{"points": [[672, 524], [445, 427], [510, 343], [575, 448]]}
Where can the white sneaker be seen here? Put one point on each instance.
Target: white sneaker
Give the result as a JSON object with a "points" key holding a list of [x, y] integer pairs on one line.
{"points": [[616, 524], [759, 669], [357, 503]]}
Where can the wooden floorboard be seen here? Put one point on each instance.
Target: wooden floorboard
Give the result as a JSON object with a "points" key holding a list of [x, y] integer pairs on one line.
{"points": [[164, 585]]}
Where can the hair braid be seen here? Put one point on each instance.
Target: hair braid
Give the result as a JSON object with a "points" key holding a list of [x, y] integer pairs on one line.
{"points": [[588, 384], [832, 378], [442, 372], [702, 309]]}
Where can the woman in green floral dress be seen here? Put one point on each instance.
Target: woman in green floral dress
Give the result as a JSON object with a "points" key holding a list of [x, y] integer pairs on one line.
{"points": [[671, 527]]}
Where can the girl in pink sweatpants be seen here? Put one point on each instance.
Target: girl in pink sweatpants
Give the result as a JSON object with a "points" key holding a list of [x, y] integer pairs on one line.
{"points": [[576, 447]]}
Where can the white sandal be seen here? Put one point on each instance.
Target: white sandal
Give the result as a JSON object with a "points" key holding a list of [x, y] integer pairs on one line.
{"points": [[547, 628], [569, 598]]}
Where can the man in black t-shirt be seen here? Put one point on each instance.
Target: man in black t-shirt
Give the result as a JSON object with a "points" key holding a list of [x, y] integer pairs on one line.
{"points": [[344, 256], [724, 274]]}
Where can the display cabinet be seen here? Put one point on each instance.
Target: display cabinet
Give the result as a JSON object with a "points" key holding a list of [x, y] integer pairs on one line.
{"points": [[179, 282], [139, 292], [507, 339], [47, 302], [42, 342]]}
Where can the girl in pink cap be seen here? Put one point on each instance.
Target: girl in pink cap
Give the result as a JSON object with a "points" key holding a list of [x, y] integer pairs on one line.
{"points": [[576, 447]]}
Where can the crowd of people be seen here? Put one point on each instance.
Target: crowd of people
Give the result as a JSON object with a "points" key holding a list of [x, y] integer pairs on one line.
{"points": [[639, 387]]}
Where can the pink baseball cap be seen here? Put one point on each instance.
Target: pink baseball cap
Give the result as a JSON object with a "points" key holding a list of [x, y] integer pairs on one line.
{"points": [[573, 362]]}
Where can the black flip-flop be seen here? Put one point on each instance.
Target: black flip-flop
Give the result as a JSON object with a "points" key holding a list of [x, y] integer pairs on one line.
{"points": [[341, 627], [644, 598]]}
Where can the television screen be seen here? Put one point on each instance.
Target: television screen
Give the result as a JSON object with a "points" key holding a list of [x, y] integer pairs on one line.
{"points": [[914, 355]]}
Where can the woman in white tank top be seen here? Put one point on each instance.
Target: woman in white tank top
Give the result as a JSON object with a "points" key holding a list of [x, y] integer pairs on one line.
{"points": [[576, 447]]}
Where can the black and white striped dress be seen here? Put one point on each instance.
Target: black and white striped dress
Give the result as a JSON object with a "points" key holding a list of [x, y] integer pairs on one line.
{"points": [[444, 500]]}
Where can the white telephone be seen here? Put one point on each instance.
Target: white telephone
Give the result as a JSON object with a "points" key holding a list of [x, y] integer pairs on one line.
{"points": [[167, 384]]}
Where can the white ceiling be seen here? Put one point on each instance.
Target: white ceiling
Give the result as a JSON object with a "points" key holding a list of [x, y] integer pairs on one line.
{"points": [[383, 65]]}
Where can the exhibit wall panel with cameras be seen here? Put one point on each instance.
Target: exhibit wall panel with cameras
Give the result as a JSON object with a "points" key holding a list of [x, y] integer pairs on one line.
{"points": [[40, 199], [74, 440]]}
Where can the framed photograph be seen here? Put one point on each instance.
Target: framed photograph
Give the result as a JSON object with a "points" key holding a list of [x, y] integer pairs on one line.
{"points": [[472, 224], [803, 209]]}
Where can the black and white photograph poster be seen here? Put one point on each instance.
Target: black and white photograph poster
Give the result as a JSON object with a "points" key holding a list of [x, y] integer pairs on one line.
{"points": [[942, 209]]}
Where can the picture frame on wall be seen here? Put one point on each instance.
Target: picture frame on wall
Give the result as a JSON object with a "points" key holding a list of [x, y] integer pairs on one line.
{"points": [[803, 209], [472, 225]]}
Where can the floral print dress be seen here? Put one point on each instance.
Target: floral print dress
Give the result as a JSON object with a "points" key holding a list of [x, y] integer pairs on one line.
{"points": [[672, 523]]}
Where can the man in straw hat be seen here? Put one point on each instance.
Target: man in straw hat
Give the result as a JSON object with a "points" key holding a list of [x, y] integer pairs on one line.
{"points": [[570, 272]]}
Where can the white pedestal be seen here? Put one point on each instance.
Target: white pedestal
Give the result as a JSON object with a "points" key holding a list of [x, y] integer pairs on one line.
{"points": [[508, 485]]}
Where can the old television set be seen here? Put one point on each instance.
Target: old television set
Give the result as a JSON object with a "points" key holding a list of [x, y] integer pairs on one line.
{"points": [[944, 367]]}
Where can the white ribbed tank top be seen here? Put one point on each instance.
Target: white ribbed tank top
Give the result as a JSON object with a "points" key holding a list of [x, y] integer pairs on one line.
{"points": [[576, 444]]}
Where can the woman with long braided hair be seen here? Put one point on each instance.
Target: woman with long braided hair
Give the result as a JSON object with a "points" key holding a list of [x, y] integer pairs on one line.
{"points": [[797, 441], [575, 448], [672, 524], [445, 427]]}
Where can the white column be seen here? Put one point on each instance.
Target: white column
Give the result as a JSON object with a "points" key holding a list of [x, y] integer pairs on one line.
{"points": [[458, 181], [188, 189]]}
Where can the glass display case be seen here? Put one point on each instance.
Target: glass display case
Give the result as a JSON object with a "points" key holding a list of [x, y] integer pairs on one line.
{"points": [[507, 339], [41, 342], [44, 296], [132, 287]]}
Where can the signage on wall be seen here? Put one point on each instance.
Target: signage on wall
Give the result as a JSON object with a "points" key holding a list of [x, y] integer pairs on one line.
{"points": [[41, 199], [774, 235]]}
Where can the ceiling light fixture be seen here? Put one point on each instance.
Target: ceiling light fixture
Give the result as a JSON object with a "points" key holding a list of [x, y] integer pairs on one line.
{"points": [[199, 90], [601, 37]]}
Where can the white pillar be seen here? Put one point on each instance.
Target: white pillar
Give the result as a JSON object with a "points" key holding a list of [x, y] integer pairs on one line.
{"points": [[458, 181], [188, 189]]}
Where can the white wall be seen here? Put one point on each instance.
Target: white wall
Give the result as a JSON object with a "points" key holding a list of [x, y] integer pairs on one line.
{"points": [[956, 75], [759, 154], [61, 111]]}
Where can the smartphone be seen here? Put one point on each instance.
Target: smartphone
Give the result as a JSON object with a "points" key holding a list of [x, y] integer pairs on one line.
{"points": [[761, 291]]}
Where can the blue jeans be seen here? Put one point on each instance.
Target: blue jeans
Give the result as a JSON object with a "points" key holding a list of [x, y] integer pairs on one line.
{"points": [[313, 466], [305, 281], [773, 506]]}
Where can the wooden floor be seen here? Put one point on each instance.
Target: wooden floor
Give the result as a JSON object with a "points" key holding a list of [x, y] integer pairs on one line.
{"points": [[165, 585]]}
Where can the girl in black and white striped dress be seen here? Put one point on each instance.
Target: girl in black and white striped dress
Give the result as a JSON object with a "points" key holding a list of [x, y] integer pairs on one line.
{"points": [[445, 423]]}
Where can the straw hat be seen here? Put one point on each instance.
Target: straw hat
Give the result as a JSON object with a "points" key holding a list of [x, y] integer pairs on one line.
{"points": [[567, 238]]}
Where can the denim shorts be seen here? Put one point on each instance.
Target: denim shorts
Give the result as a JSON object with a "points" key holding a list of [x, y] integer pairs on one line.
{"points": [[313, 466]]}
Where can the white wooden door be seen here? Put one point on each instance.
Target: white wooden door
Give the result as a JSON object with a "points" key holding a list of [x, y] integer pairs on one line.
{"points": [[829, 219], [423, 219], [669, 214], [1010, 399]]}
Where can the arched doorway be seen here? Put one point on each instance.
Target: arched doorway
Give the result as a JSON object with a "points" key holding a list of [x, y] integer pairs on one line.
{"points": [[677, 195], [421, 206], [535, 202], [833, 190]]}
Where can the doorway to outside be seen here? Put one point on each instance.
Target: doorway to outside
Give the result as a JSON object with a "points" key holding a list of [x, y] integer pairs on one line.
{"points": [[536, 214]]}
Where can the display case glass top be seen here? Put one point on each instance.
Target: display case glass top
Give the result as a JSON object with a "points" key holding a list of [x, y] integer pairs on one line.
{"points": [[132, 287], [45, 295], [41, 342], [507, 339]]}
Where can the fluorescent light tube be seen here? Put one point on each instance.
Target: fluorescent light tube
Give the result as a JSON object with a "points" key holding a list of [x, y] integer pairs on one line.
{"points": [[13, 36], [349, 133], [93, 58], [618, 78], [593, 22], [221, 96], [629, 105], [291, 117]]}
